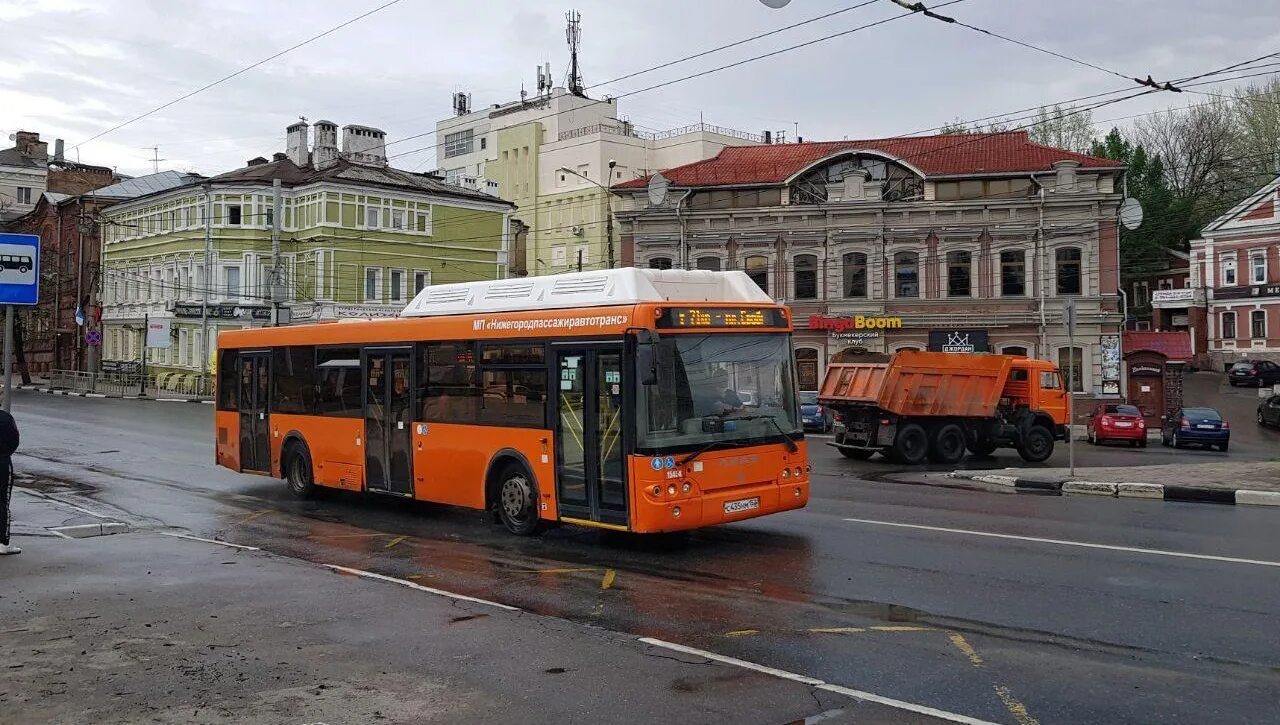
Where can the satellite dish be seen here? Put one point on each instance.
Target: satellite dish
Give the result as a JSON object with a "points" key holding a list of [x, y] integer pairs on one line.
{"points": [[1131, 214], [658, 186], [776, 4]]}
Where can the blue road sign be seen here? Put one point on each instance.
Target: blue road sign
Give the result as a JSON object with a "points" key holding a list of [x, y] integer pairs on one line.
{"points": [[19, 269]]}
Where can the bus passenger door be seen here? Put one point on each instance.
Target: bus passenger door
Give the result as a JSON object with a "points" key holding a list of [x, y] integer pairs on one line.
{"points": [[253, 372], [387, 415], [590, 471]]}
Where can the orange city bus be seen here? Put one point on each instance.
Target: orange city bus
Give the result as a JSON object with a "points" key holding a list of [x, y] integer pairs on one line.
{"points": [[635, 400]]}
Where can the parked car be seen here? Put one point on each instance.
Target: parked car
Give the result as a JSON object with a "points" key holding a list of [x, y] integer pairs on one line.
{"points": [[814, 415], [1269, 411], [1201, 426], [1117, 423], [1254, 373]]}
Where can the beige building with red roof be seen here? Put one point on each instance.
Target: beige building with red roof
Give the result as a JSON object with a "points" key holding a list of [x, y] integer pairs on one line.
{"points": [[952, 242]]}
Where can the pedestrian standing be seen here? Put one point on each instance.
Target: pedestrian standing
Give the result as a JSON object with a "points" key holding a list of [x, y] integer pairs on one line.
{"points": [[8, 444]]}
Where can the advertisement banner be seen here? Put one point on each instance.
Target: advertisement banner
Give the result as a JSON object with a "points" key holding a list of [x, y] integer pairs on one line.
{"points": [[158, 333]]}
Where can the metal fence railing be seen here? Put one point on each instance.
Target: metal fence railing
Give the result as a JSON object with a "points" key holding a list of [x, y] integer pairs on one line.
{"points": [[157, 385]]}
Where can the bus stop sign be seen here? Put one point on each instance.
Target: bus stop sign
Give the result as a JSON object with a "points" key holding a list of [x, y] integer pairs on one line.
{"points": [[19, 269]]}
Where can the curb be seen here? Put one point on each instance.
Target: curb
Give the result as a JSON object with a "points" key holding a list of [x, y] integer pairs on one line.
{"points": [[1153, 491], [81, 394]]}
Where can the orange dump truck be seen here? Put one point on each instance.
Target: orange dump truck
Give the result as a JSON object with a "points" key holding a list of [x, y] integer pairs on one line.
{"points": [[937, 405]]}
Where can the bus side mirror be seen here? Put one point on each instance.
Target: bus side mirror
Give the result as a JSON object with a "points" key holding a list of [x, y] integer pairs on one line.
{"points": [[646, 359]]}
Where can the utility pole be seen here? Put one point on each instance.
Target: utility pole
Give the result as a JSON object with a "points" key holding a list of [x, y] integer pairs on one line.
{"points": [[8, 357], [608, 213], [208, 281], [277, 264], [579, 260]]}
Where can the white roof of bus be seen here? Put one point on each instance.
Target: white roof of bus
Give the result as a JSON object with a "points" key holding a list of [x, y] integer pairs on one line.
{"points": [[585, 289]]}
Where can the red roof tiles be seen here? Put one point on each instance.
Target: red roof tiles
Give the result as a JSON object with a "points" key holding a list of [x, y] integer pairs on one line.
{"points": [[947, 155], [1176, 346]]}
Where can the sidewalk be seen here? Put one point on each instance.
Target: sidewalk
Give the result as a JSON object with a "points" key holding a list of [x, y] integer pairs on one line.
{"points": [[140, 626]]}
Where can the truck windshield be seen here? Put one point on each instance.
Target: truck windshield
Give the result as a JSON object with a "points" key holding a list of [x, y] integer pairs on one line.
{"points": [[718, 388]]}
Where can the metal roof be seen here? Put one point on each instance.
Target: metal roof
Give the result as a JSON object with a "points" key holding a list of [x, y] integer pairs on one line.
{"points": [[149, 184]]}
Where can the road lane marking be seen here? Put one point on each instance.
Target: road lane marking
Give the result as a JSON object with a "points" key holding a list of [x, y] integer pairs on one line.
{"points": [[419, 587], [609, 577], [555, 571], [1065, 542], [395, 541], [209, 541], [900, 628], [819, 684], [835, 630], [963, 645], [1015, 707]]}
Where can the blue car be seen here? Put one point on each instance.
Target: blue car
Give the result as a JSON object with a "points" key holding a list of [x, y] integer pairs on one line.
{"points": [[1195, 426], [814, 416]]}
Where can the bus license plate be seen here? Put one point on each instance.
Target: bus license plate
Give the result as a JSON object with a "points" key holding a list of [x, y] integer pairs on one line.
{"points": [[746, 504]]}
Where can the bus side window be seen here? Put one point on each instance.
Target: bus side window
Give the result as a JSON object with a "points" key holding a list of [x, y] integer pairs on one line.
{"points": [[228, 383], [447, 382], [339, 383], [294, 371]]}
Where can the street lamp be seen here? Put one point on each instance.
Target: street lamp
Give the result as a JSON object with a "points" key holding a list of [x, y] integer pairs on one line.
{"points": [[608, 212]]}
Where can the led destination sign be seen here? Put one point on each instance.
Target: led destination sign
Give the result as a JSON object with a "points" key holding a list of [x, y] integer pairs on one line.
{"points": [[684, 317]]}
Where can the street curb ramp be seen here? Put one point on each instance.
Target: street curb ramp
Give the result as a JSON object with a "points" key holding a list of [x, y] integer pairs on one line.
{"points": [[1132, 489]]}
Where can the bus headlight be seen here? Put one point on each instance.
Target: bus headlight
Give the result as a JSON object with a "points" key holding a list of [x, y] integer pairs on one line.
{"points": [[657, 490], [686, 488], [671, 490], [799, 471], [786, 473], [675, 512]]}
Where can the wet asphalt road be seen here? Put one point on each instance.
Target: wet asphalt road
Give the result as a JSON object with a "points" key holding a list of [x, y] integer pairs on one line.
{"points": [[1002, 629]]}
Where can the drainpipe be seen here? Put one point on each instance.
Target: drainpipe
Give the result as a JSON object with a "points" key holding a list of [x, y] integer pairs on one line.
{"points": [[1041, 278], [208, 284], [681, 221]]}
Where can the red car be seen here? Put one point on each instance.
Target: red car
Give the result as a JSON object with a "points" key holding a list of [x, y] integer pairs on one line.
{"points": [[1117, 423]]}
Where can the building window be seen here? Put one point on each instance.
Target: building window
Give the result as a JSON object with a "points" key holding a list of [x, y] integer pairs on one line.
{"points": [[711, 264], [230, 279], [484, 143], [24, 195], [458, 143], [757, 268], [807, 368], [906, 274], [422, 222], [1013, 273], [421, 280], [371, 216], [397, 219], [397, 285], [1258, 324], [654, 263], [854, 269], [373, 284], [233, 215], [1228, 325], [959, 274], [1258, 268], [1068, 259], [806, 277], [1071, 363], [1228, 264], [1140, 294], [1018, 350]]}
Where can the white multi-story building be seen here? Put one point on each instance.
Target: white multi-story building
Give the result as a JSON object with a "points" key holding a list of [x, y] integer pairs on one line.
{"points": [[24, 172]]}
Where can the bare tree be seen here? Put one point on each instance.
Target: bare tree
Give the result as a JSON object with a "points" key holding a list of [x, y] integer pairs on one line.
{"points": [[1257, 117], [1064, 128], [1198, 148]]}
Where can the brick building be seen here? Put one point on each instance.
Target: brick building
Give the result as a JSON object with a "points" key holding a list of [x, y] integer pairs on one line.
{"points": [[1237, 263], [952, 242]]}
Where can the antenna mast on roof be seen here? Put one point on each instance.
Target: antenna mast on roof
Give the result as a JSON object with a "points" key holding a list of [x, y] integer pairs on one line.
{"points": [[573, 34]]}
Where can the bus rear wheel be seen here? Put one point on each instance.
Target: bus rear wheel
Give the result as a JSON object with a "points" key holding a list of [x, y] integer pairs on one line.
{"points": [[298, 472], [517, 501]]}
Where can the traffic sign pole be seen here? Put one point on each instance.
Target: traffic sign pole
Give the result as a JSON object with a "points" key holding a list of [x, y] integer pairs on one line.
{"points": [[19, 285], [8, 357]]}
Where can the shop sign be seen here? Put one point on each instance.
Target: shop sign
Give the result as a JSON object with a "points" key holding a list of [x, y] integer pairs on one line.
{"points": [[221, 312], [1257, 290], [1146, 369], [854, 324], [1185, 294], [958, 341]]}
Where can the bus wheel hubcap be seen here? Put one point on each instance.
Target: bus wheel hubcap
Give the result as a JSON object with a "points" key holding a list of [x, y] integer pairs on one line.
{"points": [[515, 496]]}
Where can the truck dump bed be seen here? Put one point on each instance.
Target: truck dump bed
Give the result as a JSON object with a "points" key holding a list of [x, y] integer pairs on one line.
{"points": [[921, 384]]}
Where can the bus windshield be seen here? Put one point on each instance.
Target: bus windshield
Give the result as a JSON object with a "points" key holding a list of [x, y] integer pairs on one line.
{"points": [[718, 387]]}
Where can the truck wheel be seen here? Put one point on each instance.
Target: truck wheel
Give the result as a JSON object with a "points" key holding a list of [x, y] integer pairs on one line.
{"points": [[948, 444], [857, 454], [912, 444], [1037, 444]]}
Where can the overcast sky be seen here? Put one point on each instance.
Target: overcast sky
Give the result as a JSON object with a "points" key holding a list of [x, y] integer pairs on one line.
{"points": [[70, 69]]}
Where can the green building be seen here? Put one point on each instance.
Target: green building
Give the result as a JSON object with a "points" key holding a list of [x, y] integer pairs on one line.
{"points": [[356, 238]]}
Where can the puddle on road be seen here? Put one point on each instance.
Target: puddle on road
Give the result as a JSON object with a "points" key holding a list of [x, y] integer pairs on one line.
{"points": [[49, 484]]}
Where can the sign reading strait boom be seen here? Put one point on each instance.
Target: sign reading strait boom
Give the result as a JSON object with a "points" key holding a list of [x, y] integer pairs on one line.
{"points": [[635, 400]]}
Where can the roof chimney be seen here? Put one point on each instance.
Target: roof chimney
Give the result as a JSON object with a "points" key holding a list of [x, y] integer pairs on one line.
{"points": [[279, 156], [57, 151], [256, 161], [364, 145], [296, 143], [325, 150]]}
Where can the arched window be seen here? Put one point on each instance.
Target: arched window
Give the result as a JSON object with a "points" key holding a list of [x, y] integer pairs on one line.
{"points": [[855, 274], [959, 274], [1071, 363], [807, 368], [1069, 272], [660, 263], [1014, 350], [806, 276], [906, 274], [711, 264], [757, 268]]}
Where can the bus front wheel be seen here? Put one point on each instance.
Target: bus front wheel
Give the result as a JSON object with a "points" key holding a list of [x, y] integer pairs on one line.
{"points": [[298, 472], [517, 501]]}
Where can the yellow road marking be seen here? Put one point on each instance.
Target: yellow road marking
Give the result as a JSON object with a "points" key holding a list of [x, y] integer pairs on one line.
{"points": [[554, 571], [964, 646], [1016, 708], [609, 577], [395, 541], [742, 633], [900, 628], [835, 630]]}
